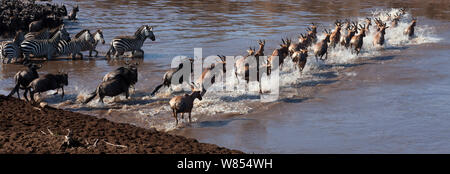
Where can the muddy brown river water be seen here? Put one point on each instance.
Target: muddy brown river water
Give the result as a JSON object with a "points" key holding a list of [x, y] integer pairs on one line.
{"points": [[393, 99]]}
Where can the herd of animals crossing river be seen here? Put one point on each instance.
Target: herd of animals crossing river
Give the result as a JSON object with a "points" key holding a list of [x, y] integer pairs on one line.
{"points": [[55, 42]]}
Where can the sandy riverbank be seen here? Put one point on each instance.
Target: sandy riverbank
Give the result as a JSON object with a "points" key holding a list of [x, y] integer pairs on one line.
{"points": [[25, 128]]}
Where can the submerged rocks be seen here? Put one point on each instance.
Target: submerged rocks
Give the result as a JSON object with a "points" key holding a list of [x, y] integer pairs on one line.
{"points": [[18, 15]]}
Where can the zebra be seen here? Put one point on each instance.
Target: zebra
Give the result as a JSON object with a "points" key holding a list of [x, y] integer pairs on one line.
{"points": [[47, 47], [122, 44], [42, 34], [76, 45], [11, 49], [98, 37]]}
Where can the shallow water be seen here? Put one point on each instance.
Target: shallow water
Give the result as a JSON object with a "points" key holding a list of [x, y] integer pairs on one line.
{"points": [[387, 100]]}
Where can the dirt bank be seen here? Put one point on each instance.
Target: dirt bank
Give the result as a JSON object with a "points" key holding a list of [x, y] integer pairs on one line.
{"points": [[25, 128]]}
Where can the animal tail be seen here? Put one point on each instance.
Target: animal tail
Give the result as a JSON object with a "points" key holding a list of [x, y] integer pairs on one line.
{"points": [[92, 96], [156, 89]]}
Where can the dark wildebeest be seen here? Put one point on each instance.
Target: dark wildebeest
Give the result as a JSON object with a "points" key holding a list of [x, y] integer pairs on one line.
{"points": [[46, 83], [73, 14], [24, 78], [115, 83]]}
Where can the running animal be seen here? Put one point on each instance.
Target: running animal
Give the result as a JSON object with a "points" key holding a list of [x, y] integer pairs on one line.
{"points": [[122, 44], [185, 103], [46, 83], [47, 48], [23, 79]]}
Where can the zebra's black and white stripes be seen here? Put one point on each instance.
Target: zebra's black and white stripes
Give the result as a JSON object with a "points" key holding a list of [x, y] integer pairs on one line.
{"points": [[76, 45], [98, 37], [122, 44], [11, 49], [47, 47]]}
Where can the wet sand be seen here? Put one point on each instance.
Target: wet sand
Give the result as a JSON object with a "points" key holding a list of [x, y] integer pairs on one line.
{"points": [[25, 128]]}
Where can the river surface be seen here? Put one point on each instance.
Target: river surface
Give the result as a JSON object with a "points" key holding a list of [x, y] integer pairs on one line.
{"points": [[390, 99]]}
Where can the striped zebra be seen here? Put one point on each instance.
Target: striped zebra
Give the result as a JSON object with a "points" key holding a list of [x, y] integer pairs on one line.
{"points": [[122, 44], [44, 48], [42, 34], [98, 37], [76, 45], [11, 49]]}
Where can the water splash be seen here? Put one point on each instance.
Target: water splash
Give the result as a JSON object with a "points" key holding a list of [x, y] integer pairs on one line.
{"points": [[153, 111]]}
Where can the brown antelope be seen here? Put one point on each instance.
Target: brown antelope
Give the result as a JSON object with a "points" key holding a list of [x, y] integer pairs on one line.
{"points": [[245, 69], [351, 31], [402, 11], [410, 30], [321, 48], [185, 103], [357, 40], [389, 17], [311, 36], [281, 52], [302, 39], [395, 20], [299, 58], [379, 36], [369, 23], [336, 35], [206, 74]]}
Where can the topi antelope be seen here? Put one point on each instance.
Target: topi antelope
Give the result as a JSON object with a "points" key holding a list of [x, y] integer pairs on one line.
{"points": [[302, 39], [336, 34], [321, 48], [299, 58], [395, 20], [369, 23], [311, 36], [185, 103], [244, 70], [351, 31], [281, 52], [379, 36], [357, 40], [410, 30], [167, 78]]}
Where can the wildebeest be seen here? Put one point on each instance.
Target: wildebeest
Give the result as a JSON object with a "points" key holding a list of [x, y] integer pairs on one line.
{"points": [[46, 83], [115, 83], [185, 103], [24, 78], [73, 14]]}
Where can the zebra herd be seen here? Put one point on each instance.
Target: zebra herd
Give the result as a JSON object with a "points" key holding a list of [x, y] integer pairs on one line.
{"points": [[55, 42]]}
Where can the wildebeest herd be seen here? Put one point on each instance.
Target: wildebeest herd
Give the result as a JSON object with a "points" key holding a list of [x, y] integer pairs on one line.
{"points": [[50, 42]]}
